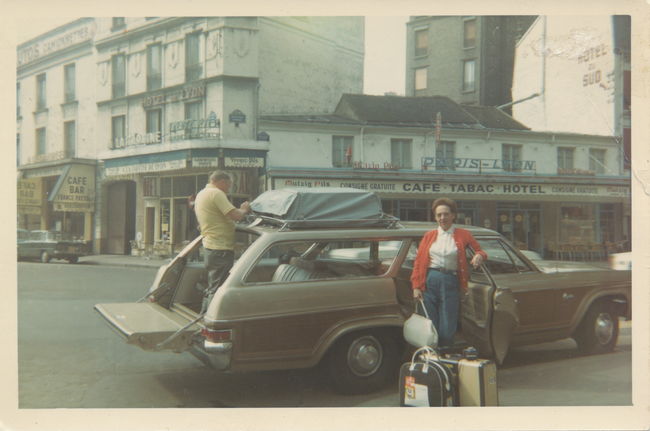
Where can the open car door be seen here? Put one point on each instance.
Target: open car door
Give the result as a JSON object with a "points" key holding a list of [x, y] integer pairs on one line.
{"points": [[151, 323], [488, 313]]}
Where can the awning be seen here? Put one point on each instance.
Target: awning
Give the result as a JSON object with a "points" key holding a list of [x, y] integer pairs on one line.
{"points": [[168, 161]]}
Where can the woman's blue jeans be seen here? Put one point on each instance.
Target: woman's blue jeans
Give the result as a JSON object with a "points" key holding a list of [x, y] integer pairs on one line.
{"points": [[441, 299]]}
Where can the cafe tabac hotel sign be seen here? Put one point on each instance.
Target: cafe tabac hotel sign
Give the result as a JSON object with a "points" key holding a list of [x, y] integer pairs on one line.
{"points": [[74, 34]]}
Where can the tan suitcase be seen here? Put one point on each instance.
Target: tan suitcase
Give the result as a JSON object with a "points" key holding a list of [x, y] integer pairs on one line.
{"points": [[477, 383]]}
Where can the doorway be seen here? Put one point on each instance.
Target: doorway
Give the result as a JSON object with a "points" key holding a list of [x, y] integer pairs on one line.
{"points": [[120, 215]]}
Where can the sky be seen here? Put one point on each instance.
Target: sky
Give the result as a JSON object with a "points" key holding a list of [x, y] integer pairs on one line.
{"points": [[384, 65]]}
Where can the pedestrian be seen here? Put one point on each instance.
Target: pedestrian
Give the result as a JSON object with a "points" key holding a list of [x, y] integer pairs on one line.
{"points": [[440, 272], [216, 216]]}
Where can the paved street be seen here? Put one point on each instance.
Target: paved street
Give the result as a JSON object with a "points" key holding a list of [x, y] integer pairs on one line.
{"points": [[69, 358]]}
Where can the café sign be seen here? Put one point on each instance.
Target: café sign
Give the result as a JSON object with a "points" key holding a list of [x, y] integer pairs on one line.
{"points": [[30, 192], [75, 190], [462, 188]]}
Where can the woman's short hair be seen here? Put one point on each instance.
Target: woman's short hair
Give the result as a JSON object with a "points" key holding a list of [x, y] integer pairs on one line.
{"points": [[444, 201]]}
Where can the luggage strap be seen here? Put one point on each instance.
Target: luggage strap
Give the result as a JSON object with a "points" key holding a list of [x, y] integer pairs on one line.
{"points": [[430, 350]]}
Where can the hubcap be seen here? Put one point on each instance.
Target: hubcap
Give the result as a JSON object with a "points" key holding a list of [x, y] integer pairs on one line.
{"points": [[604, 328], [365, 356]]}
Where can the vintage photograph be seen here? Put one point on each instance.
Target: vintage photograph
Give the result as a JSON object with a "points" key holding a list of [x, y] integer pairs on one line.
{"points": [[289, 213]]}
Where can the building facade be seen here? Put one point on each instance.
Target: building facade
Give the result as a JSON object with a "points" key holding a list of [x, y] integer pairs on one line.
{"points": [[55, 130], [466, 58], [180, 97], [503, 175], [566, 65]]}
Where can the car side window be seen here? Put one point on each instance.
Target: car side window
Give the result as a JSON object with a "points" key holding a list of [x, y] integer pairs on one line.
{"points": [[501, 258], [293, 261]]}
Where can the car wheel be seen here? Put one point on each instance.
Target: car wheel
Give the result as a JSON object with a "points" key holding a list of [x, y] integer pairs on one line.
{"points": [[363, 362], [73, 259], [45, 257], [598, 331]]}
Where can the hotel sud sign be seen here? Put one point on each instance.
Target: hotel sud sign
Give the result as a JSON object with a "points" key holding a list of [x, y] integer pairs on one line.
{"points": [[462, 188]]}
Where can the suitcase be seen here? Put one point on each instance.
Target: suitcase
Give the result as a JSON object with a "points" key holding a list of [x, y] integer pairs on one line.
{"points": [[476, 379], [426, 382]]}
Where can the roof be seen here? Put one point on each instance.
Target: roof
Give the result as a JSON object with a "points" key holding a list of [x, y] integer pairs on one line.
{"points": [[408, 111]]}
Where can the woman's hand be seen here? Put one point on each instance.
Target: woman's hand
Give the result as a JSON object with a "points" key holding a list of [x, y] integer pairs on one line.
{"points": [[477, 260], [417, 294]]}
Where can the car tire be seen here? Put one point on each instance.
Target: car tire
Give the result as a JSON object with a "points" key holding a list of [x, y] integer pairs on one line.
{"points": [[363, 361], [73, 259], [45, 256], [598, 331]]}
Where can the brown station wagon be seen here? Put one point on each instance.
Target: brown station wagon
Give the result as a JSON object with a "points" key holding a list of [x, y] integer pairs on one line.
{"points": [[299, 296]]}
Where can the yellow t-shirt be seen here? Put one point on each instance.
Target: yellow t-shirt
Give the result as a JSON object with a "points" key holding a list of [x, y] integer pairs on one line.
{"points": [[211, 207]]}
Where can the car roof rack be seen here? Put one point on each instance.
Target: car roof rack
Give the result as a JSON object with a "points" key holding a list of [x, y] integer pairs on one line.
{"points": [[385, 221]]}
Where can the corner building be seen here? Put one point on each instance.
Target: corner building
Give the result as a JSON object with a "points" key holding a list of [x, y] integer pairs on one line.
{"points": [[55, 130], [502, 175], [180, 97]]}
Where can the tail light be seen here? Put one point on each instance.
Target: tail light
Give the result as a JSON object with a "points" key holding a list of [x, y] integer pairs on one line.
{"points": [[217, 335]]}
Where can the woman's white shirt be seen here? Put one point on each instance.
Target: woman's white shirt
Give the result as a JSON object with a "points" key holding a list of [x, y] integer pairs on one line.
{"points": [[443, 252]]}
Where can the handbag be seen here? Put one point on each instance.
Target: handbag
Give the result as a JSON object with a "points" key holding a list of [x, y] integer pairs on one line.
{"points": [[419, 330]]}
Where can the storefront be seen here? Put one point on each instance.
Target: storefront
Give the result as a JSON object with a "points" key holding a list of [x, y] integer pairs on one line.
{"points": [[558, 220], [59, 198], [165, 186]]}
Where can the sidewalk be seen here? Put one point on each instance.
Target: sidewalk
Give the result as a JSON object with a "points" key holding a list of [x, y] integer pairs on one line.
{"points": [[123, 260]]}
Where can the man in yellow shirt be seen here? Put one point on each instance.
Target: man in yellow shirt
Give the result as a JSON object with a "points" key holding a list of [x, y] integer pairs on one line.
{"points": [[216, 217]]}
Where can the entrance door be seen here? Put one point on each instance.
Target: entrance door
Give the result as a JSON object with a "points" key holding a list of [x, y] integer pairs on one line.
{"points": [[521, 227], [120, 215]]}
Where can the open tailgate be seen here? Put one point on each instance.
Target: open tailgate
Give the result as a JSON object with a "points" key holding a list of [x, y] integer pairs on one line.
{"points": [[147, 325]]}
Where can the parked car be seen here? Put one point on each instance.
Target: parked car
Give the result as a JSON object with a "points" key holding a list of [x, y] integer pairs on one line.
{"points": [[46, 245], [621, 261], [297, 297]]}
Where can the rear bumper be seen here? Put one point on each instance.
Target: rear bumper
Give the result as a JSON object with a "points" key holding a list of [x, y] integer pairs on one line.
{"points": [[214, 355]]}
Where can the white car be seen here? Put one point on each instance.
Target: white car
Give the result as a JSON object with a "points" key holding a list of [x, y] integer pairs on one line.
{"points": [[621, 261]]}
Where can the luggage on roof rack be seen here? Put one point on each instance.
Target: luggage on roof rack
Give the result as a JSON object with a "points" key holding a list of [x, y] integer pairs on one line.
{"points": [[321, 207]]}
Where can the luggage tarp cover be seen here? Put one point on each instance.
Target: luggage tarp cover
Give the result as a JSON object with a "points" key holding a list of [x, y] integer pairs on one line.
{"points": [[321, 206]]}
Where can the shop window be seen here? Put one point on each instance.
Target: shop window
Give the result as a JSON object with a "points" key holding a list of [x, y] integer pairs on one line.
{"points": [[118, 74], [342, 151], [41, 141], [469, 33], [445, 154], [69, 83], [154, 67], [184, 186], [421, 77], [578, 224], [469, 75], [597, 160], [201, 181], [41, 92], [193, 68], [565, 159], [606, 223], [69, 138], [511, 157], [166, 187], [118, 130], [421, 42], [400, 153], [149, 187], [154, 123]]}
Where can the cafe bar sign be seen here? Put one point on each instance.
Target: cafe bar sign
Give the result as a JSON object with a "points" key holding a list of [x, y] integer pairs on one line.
{"points": [[462, 188]]}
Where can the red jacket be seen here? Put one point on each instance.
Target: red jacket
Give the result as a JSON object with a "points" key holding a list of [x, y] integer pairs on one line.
{"points": [[462, 238]]}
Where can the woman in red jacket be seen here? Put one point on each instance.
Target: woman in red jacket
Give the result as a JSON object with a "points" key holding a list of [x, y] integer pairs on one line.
{"points": [[440, 270]]}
